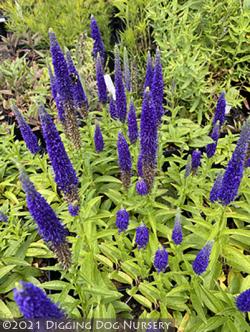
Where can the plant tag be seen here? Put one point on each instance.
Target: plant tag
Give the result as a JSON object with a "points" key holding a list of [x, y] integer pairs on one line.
{"points": [[110, 85]]}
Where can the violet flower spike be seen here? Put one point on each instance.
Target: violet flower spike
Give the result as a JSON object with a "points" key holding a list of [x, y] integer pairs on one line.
{"points": [[132, 124], [33, 302], [196, 160], [50, 227], [177, 231], [79, 95], [220, 110], [161, 260], [141, 187], [211, 148], [215, 191], [96, 36], [64, 173], [28, 136], [125, 162], [148, 139], [120, 95], [60, 71], [158, 87], [3, 217], [142, 236], [65, 90], [201, 261], [127, 76], [243, 301], [122, 220], [60, 110], [99, 144], [101, 85], [235, 168], [56, 97], [149, 73], [112, 108]]}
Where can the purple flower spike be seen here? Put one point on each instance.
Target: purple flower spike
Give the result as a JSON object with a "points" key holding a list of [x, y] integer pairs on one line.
{"points": [[127, 76], [215, 191], [74, 210], [124, 160], [142, 236], [201, 261], [50, 227], [112, 108], [196, 160], [149, 73], [211, 148], [3, 217], [80, 99], [161, 260], [61, 70], [235, 168], [220, 110], [120, 95], [141, 187], [99, 144], [96, 36], [101, 85], [56, 97], [64, 88], [158, 87], [243, 301], [177, 231], [122, 220], [132, 124], [60, 109], [29, 137], [33, 303], [148, 139], [65, 175]]}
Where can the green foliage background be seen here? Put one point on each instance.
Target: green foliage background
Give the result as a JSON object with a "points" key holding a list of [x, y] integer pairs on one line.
{"points": [[67, 18]]}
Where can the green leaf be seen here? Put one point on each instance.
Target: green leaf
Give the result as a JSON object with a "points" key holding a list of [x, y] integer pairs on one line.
{"points": [[5, 270], [107, 178], [150, 292], [212, 324], [104, 260], [121, 277], [198, 307], [55, 285], [236, 259], [5, 311], [143, 300]]}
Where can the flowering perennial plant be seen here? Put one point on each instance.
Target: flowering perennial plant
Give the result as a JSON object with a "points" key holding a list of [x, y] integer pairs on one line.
{"points": [[127, 252]]}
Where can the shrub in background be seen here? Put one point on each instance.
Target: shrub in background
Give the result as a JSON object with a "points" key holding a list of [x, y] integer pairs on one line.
{"points": [[68, 19]]}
